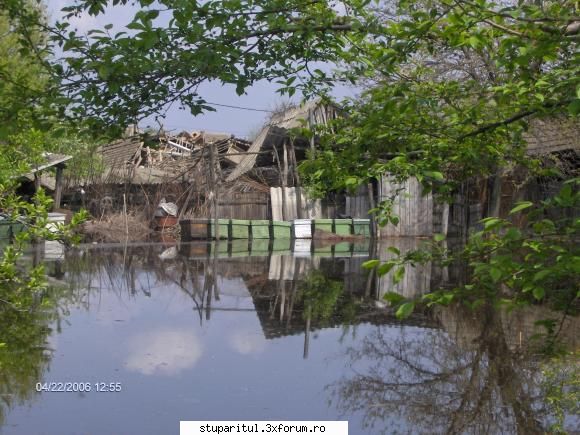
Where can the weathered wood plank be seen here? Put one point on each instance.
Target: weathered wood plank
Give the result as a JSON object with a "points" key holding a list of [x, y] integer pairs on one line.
{"points": [[415, 210]]}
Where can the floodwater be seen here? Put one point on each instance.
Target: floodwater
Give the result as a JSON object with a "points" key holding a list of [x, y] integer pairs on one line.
{"points": [[180, 332]]}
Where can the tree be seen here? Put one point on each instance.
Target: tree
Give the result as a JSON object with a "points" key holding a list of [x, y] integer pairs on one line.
{"points": [[28, 125], [455, 85], [170, 47], [26, 85]]}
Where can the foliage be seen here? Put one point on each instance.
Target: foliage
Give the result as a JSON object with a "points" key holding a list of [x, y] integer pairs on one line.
{"points": [[561, 380], [28, 129], [511, 266], [23, 350], [321, 296], [454, 85], [22, 151], [169, 48], [28, 92], [18, 286]]}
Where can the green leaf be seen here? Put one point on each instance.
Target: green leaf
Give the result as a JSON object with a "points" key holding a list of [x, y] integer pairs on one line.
{"points": [[351, 181], [104, 71], [394, 250], [491, 223], [521, 206], [393, 298], [538, 293], [405, 310], [541, 275], [152, 14], [385, 268], [370, 264], [574, 107], [446, 299], [399, 274], [434, 175], [495, 274], [439, 237], [513, 234]]}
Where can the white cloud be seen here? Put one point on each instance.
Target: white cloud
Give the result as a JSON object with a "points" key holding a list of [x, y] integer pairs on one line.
{"points": [[247, 342], [163, 352]]}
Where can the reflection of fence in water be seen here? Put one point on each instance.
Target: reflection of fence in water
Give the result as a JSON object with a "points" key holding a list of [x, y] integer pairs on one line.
{"points": [[288, 267]]}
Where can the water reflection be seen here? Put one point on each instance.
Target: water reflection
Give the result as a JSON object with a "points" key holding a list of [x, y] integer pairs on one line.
{"points": [[27, 340], [437, 383], [228, 329], [247, 342], [24, 355], [163, 352]]}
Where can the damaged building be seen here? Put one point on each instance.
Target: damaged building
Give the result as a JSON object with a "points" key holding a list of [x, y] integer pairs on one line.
{"points": [[212, 175]]}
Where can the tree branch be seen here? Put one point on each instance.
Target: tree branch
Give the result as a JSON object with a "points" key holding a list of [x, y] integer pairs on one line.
{"points": [[510, 120]]}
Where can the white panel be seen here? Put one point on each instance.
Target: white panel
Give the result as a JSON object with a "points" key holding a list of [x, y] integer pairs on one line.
{"points": [[290, 203], [53, 250], [311, 208], [445, 219], [302, 247], [303, 228], [276, 200]]}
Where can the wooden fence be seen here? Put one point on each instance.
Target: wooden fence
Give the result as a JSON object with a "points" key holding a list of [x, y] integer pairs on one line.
{"points": [[414, 210], [358, 203], [248, 205]]}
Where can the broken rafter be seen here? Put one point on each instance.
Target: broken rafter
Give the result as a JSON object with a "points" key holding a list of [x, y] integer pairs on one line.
{"points": [[176, 145]]}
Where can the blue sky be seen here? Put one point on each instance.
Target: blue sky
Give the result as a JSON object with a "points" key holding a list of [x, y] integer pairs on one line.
{"points": [[235, 121]]}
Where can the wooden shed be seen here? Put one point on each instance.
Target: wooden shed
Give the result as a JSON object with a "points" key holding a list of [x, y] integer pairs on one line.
{"points": [[41, 177], [556, 141]]}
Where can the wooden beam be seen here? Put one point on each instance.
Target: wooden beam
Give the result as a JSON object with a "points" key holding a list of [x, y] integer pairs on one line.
{"points": [[306, 337], [36, 181], [495, 194], [282, 182], [297, 184], [373, 223], [58, 187], [287, 212]]}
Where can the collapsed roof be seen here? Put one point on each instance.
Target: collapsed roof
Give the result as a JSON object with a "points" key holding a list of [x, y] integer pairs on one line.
{"points": [[277, 130]]}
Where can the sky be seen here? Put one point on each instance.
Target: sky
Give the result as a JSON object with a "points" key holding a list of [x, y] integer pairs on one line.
{"points": [[239, 122]]}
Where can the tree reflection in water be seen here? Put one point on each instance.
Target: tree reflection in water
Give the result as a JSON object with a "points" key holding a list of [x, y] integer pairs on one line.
{"points": [[24, 353], [27, 320], [410, 380]]}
